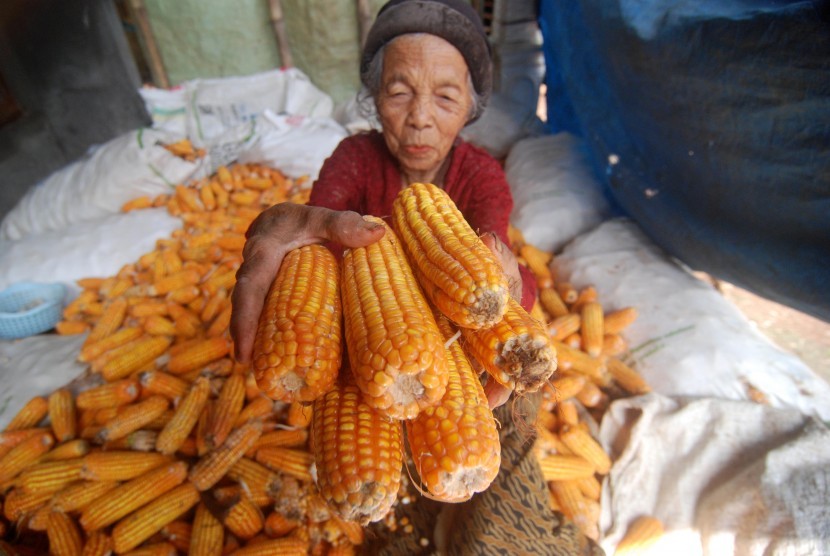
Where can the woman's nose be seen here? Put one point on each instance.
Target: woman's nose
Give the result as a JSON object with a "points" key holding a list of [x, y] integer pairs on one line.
{"points": [[420, 112]]}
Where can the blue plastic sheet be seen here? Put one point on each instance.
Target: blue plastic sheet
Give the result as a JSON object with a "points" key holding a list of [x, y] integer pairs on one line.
{"points": [[709, 123]]}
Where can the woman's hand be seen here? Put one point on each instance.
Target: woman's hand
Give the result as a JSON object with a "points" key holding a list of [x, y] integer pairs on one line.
{"points": [[496, 393], [270, 237]]}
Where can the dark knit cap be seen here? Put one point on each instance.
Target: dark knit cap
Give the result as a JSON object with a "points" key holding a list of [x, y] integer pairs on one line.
{"points": [[455, 21]]}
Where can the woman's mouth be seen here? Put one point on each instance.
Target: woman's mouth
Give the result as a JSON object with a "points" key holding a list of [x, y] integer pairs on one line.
{"points": [[416, 150]]}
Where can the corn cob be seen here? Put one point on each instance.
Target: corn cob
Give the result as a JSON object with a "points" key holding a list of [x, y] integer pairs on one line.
{"points": [[71, 327], [584, 445], [178, 533], [617, 321], [257, 480], [163, 548], [575, 506], [538, 262], [119, 502], [110, 321], [164, 384], [591, 396], [288, 438], [18, 505], [78, 495], [358, 451], [112, 394], [592, 328], [208, 534], [142, 524], [552, 302], [51, 476], [455, 445], [132, 418], [570, 359], [120, 465], [641, 537], [393, 342], [286, 546], [613, 345], [184, 419], [62, 415], [29, 415], [459, 274], [296, 463], [198, 355], [243, 519], [297, 347], [629, 379], [225, 411], [558, 467], [216, 463], [587, 294], [562, 327], [24, 454], [516, 352], [136, 355], [64, 537], [567, 292]]}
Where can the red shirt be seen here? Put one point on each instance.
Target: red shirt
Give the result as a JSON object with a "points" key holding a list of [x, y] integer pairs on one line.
{"points": [[361, 175]]}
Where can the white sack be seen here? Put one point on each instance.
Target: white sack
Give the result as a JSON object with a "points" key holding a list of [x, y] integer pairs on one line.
{"points": [[35, 366], [502, 124], [94, 248], [129, 166], [688, 339], [296, 145], [216, 106], [724, 477], [167, 108], [555, 195]]}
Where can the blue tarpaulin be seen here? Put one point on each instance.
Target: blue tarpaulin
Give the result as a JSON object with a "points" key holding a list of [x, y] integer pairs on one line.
{"points": [[709, 122]]}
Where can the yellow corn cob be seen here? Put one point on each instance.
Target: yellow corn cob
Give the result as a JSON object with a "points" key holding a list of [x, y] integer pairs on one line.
{"points": [[516, 352], [120, 465], [220, 280], [71, 327], [231, 242], [243, 519], [117, 339], [140, 440], [296, 352], [78, 495], [299, 415], [187, 323], [613, 345], [142, 524], [62, 415], [258, 408], [132, 418], [587, 294], [592, 328], [562, 327], [552, 302], [557, 467], [104, 415], [110, 320], [256, 479], [567, 292], [178, 533], [174, 281], [198, 355], [220, 324], [207, 197], [159, 326], [149, 308], [161, 421], [591, 396], [574, 341], [459, 274], [571, 359], [617, 321], [226, 410], [184, 419], [29, 415], [98, 543], [24, 454], [278, 525], [286, 546], [135, 356], [18, 504], [163, 548], [164, 384], [216, 463], [641, 537], [51, 476], [138, 203], [208, 534], [184, 295], [566, 413], [455, 445], [584, 445], [629, 379], [538, 261], [289, 438], [214, 305], [122, 500], [590, 487], [64, 537], [393, 342], [574, 506], [296, 463], [358, 451], [188, 198], [112, 394]]}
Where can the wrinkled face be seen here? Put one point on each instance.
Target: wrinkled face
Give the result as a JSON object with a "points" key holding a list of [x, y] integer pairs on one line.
{"points": [[423, 102]]}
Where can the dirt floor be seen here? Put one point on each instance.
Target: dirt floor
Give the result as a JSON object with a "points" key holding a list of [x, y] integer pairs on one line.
{"points": [[793, 331]]}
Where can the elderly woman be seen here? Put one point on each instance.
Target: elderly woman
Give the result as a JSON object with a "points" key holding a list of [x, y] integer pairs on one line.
{"points": [[426, 65]]}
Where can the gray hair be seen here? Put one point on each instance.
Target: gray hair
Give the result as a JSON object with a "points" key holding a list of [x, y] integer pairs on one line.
{"points": [[367, 97]]}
